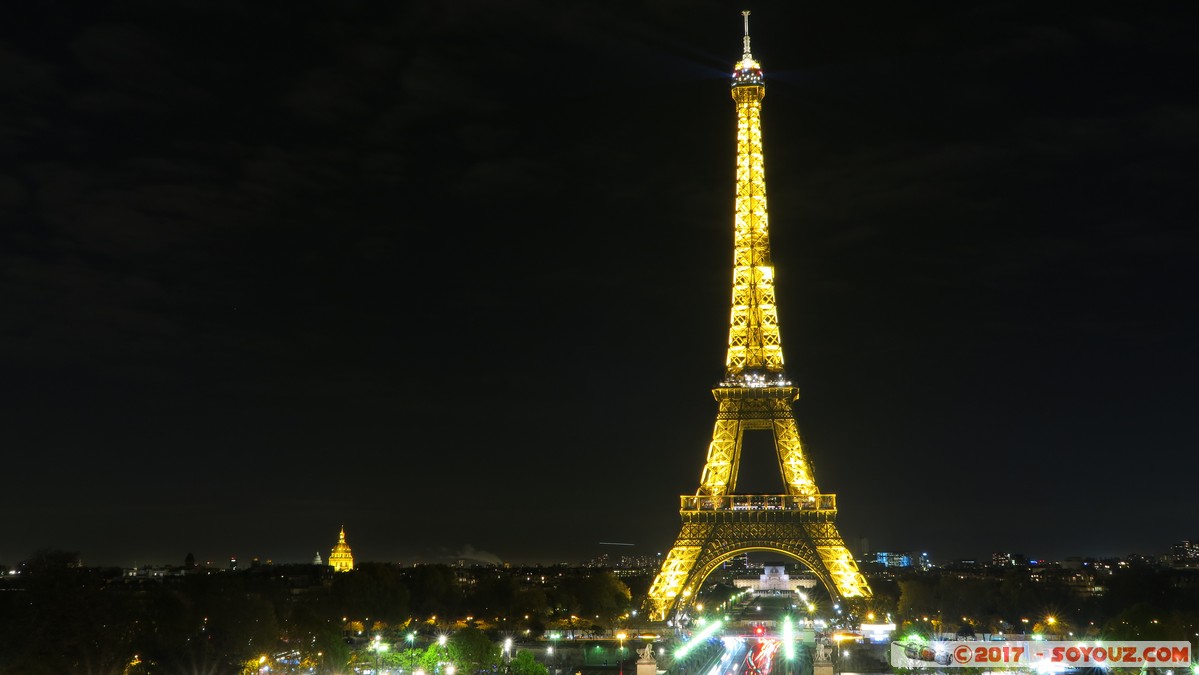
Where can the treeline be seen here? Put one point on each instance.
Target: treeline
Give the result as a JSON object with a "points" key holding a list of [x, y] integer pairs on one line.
{"points": [[1139, 604], [57, 618]]}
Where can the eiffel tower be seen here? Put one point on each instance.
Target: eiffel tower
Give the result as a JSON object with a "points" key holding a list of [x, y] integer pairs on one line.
{"points": [[755, 394]]}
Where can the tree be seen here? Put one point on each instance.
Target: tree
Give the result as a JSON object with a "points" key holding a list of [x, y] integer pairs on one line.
{"points": [[434, 590], [432, 656], [375, 590], [63, 621], [472, 651], [332, 652], [315, 627], [524, 664], [601, 596], [917, 597], [242, 626], [494, 595]]}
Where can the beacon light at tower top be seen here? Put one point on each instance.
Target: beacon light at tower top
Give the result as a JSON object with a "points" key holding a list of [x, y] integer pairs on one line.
{"points": [[747, 70]]}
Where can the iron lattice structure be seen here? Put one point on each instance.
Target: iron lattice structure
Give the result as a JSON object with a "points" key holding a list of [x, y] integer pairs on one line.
{"points": [[755, 394]]}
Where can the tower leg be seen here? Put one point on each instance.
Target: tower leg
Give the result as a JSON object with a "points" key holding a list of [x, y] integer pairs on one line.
{"points": [[671, 584]]}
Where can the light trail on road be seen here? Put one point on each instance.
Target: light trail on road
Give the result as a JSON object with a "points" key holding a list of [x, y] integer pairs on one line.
{"points": [[746, 657]]}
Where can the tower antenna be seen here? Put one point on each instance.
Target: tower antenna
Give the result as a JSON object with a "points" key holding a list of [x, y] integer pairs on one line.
{"points": [[745, 48]]}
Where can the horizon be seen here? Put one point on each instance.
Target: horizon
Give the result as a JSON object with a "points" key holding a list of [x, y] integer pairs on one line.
{"points": [[484, 558]]}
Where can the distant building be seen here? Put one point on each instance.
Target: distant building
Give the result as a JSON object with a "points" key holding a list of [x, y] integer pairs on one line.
{"points": [[1009, 560], [340, 558], [1185, 553], [774, 580], [893, 558], [899, 559], [1083, 583], [1139, 560], [316, 560], [737, 563]]}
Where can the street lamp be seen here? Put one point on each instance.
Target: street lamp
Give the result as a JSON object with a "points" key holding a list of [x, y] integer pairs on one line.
{"points": [[410, 658], [620, 654], [378, 647], [441, 640]]}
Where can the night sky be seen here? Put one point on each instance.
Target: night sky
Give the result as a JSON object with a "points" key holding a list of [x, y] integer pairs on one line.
{"points": [[457, 274]]}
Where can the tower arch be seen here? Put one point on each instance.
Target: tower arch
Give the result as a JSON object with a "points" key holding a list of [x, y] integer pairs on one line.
{"points": [[710, 566]]}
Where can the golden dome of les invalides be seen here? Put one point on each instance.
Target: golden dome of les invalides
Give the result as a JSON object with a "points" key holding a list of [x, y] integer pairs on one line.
{"points": [[340, 558]]}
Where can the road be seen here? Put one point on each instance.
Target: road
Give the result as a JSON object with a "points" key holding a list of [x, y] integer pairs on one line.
{"points": [[752, 638], [750, 656]]}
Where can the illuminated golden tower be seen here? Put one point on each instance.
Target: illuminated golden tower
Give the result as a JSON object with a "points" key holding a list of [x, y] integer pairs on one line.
{"points": [[340, 558], [755, 395]]}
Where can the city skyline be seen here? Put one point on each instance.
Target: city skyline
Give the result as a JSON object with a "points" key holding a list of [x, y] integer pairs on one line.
{"points": [[469, 556], [457, 278]]}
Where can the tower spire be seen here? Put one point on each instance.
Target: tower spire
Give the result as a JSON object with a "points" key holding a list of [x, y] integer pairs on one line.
{"points": [[745, 55], [755, 355]]}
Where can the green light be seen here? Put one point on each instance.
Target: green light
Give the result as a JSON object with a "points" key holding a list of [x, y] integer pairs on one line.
{"points": [[788, 639], [698, 638]]}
